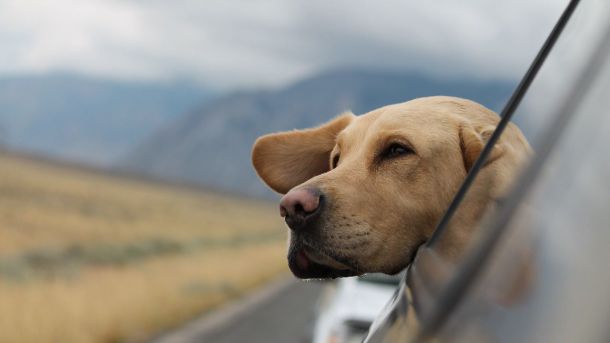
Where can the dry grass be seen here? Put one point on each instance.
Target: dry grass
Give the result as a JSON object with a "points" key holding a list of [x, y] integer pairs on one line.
{"points": [[44, 206], [48, 212]]}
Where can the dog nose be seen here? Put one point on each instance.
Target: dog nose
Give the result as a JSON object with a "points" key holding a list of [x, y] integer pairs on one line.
{"points": [[300, 206]]}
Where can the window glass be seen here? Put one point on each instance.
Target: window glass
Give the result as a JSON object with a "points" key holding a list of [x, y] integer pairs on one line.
{"points": [[544, 281], [537, 111], [547, 269]]}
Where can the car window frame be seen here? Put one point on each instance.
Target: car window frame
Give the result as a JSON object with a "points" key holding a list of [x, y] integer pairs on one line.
{"points": [[477, 258]]}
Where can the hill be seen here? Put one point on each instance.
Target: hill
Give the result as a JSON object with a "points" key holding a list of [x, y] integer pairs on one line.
{"points": [[95, 258], [87, 119], [211, 144]]}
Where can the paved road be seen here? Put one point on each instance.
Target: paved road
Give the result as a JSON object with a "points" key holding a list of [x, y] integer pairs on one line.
{"points": [[283, 312]]}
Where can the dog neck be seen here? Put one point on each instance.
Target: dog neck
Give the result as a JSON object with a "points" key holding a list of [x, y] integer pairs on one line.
{"points": [[465, 225]]}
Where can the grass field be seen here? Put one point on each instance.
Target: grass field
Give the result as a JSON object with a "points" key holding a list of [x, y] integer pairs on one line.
{"points": [[87, 257]]}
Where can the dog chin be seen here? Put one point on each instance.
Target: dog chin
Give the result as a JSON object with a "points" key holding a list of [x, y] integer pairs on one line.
{"points": [[305, 263]]}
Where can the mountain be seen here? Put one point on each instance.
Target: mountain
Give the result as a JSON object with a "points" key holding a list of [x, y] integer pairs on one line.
{"points": [[87, 119], [211, 144]]}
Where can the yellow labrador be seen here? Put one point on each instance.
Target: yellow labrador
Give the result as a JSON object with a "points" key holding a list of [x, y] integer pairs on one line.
{"points": [[363, 192]]}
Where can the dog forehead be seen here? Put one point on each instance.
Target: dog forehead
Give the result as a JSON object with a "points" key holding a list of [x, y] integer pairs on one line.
{"points": [[412, 120], [424, 119]]}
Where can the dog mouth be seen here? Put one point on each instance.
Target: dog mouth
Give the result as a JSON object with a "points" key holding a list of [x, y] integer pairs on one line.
{"points": [[306, 262]]}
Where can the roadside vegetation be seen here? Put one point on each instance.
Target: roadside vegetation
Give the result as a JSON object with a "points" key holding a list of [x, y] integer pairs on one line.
{"points": [[88, 257]]}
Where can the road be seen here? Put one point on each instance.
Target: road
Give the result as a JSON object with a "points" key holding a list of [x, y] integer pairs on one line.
{"points": [[282, 312]]}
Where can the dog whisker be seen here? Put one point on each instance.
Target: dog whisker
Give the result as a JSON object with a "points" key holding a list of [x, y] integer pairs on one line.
{"points": [[336, 254]]}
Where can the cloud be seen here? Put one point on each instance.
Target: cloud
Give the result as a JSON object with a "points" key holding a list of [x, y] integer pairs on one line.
{"points": [[231, 43]]}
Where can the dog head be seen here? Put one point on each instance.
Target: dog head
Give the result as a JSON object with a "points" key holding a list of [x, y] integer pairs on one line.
{"points": [[363, 192]]}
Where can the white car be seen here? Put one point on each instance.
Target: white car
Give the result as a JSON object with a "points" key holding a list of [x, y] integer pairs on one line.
{"points": [[348, 306]]}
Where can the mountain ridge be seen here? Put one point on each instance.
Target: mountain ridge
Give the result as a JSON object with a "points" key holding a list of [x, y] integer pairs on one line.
{"points": [[211, 144], [87, 119]]}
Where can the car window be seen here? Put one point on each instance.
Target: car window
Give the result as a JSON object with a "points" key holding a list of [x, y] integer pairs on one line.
{"points": [[556, 235], [557, 81], [530, 110]]}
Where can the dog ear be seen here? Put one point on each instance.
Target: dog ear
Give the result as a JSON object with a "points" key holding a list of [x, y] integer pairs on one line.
{"points": [[472, 141], [286, 159]]}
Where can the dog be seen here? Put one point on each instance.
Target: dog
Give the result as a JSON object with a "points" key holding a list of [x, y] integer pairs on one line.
{"points": [[362, 193]]}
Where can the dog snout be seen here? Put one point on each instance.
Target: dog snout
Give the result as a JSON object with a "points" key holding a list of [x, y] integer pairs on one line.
{"points": [[300, 207]]}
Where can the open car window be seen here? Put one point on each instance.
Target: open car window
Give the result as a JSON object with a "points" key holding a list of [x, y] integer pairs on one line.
{"points": [[526, 286], [553, 249]]}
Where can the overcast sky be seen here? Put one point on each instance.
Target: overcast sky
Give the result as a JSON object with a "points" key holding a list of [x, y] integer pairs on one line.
{"points": [[252, 43]]}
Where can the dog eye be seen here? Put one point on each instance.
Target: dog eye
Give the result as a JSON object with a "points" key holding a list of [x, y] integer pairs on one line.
{"points": [[395, 150]]}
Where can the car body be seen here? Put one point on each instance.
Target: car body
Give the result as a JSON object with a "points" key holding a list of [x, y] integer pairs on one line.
{"points": [[348, 306]]}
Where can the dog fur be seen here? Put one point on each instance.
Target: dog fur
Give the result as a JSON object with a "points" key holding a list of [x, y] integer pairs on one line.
{"points": [[386, 178]]}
